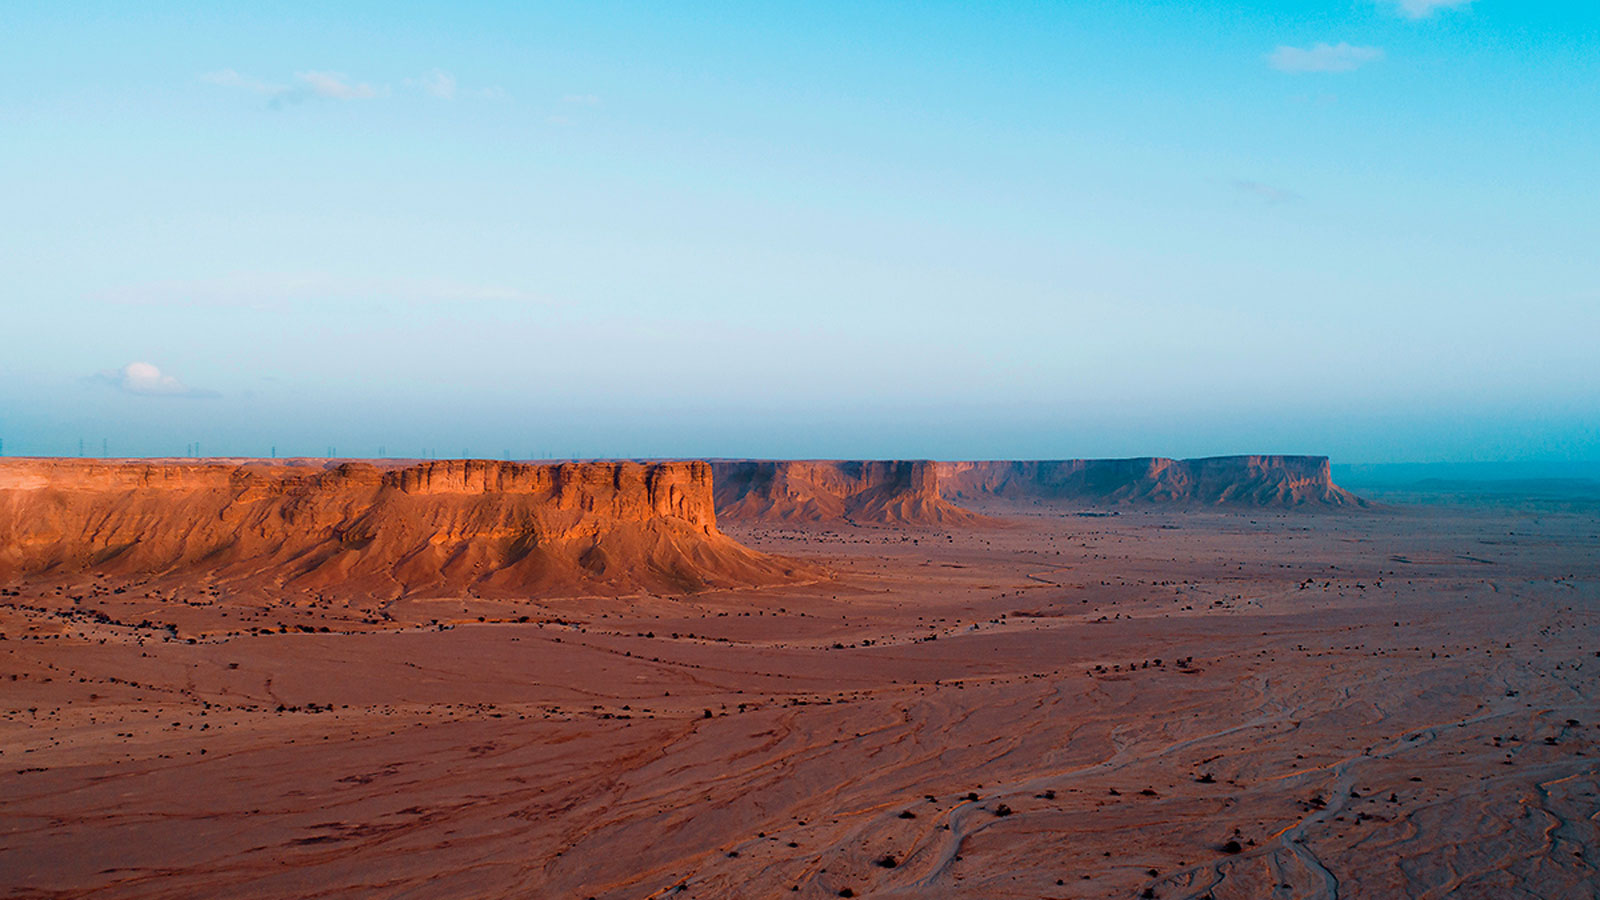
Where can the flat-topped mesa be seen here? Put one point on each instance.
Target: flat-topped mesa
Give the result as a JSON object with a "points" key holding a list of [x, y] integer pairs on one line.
{"points": [[1280, 481], [876, 492], [378, 529], [621, 490]]}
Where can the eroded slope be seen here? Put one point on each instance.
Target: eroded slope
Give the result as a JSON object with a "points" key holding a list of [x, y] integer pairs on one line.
{"points": [[448, 527]]}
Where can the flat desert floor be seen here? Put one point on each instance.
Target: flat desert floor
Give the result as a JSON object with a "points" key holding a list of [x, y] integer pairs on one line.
{"points": [[1402, 702]]}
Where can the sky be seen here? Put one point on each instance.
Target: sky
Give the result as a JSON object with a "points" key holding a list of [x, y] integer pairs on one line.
{"points": [[1359, 228]]}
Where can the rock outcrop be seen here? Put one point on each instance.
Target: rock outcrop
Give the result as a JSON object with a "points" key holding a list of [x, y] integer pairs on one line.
{"points": [[877, 492], [384, 530], [1273, 481]]}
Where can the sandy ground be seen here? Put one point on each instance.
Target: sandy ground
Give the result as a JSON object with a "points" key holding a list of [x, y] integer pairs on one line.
{"points": [[1398, 703]]}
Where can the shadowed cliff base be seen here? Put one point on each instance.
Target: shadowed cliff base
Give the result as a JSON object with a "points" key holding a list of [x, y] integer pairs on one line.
{"points": [[379, 530]]}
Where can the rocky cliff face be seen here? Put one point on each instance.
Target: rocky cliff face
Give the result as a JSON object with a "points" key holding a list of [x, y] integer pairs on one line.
{"points": [[919, 492], [1282, 481], [434, 528], [857, 491]]}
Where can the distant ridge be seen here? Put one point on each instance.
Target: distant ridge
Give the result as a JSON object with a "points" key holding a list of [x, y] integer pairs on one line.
{"points": [[1264, 481], [926, 493]]}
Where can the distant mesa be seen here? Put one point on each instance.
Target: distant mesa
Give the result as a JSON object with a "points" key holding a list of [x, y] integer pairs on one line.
{"points": [[384, 530], [926, 493], [863, 492], [1261, 481]]}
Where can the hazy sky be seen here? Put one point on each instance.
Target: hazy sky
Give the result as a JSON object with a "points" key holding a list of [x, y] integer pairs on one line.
{"points": [[1361, 228]]}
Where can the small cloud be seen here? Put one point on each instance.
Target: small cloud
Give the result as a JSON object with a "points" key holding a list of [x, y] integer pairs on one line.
{"points": [[336, 86], [571, 102], [232, 79], [1423, 9], [331, 85], [1339, 57], [442, 85], [148, 379], [436, 83], [1264, 192]]}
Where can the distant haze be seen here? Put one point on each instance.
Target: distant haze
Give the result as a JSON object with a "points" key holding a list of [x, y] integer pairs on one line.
{"points": [[1360, 229]]}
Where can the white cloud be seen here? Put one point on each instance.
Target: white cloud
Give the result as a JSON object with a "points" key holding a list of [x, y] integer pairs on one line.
{"points": [[1265, 192], [571, 102], [231, 78], [331, 85], [148, 379], [442, 85], [437, 83], [336, 86], [1422, 9], [1339, 57]]}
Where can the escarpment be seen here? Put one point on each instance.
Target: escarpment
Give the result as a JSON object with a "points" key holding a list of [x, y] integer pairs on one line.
{"points": [[383, 530], [1270, 481], [876, 492], [921, 492]]}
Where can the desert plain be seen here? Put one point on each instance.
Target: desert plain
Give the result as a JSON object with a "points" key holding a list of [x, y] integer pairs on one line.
{"points": [[1038, 698]]}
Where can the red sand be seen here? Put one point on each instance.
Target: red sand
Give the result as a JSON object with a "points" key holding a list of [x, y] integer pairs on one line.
{"points": [[1391, 703]]}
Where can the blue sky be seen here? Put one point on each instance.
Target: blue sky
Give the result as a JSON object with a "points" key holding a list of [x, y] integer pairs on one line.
{"points": [[1350, 227]]}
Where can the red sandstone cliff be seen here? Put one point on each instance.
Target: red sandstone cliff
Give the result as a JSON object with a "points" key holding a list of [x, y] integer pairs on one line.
{"points": [[434, 528], [1282, 481], [857, 491]]}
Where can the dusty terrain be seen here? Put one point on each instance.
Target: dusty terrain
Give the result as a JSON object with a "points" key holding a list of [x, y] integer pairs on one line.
{"points": [[1052, 702]]}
